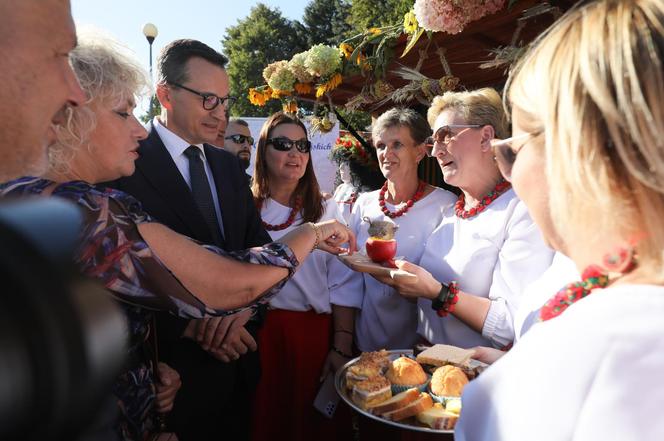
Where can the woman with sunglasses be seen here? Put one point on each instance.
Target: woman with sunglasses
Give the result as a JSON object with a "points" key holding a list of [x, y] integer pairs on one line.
{"points": [[486, 250], [301, 334], [589, 164], [143, 264], [385, 319]]}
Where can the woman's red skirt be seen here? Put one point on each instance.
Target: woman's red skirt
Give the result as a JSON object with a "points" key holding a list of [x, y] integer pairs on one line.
{"points": [[293, 346]]}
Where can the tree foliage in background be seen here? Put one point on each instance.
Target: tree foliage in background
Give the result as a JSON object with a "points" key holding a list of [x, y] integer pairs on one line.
{"points": [[365, 14], [266, 36], [263, 37], [327, 22], [154, 110]]}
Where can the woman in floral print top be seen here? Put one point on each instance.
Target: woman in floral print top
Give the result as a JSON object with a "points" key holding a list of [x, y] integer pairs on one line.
{"points": [[145, 265]]}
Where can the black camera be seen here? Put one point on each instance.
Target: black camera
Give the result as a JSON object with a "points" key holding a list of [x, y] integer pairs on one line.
{"points": [[62, 337]]}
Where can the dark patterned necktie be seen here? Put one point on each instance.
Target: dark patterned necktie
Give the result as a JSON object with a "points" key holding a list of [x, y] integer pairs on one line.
{"points": [[200, 189]]}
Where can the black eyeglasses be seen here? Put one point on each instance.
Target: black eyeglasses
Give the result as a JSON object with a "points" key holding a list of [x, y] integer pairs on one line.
{"points": [[210, 100], [240, 139], [505, 152], [285, 144]]}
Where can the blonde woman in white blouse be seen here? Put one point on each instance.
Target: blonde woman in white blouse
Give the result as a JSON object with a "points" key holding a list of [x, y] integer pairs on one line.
{"points": [[486, 244], [588, 160]]}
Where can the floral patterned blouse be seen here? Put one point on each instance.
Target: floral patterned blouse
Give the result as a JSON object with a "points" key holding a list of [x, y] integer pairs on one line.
{"points": [[113, 251]]}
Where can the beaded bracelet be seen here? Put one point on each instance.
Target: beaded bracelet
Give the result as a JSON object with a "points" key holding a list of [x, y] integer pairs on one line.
{"points": [[445, 303], [342, 353], [315, 227]]}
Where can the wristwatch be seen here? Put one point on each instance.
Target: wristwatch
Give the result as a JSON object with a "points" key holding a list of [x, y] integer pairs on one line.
{"points": [[439, 302]]}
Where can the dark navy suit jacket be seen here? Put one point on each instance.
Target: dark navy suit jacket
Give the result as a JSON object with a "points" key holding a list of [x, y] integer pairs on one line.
{"points": [[164, 194]]}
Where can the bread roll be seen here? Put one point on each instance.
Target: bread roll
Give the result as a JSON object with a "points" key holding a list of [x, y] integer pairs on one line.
{"points": [[405, 371], [448, 381]]}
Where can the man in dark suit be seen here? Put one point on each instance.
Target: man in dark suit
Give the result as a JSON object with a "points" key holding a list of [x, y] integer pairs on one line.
{"points": [[202, 192]]}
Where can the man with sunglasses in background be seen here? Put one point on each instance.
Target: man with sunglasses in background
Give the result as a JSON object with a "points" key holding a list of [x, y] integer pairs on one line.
{"points": [[200, 191], [238, 140]]}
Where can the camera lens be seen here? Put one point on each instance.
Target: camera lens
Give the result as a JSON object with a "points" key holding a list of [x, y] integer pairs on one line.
{"points": [[62, 337]]}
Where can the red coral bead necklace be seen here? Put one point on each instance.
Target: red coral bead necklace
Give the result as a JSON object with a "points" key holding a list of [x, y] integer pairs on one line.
{"points": [[291, 217], [500, 188], [419, 193]]}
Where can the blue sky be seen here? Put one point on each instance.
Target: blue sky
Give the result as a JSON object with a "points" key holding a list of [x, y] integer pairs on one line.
{"points": [[204, 20]]}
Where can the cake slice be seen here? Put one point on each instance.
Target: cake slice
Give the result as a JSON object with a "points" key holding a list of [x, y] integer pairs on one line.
{"points": [[371, 392], [380, 358], [362, 370], [441, 355], [438, 418], [396, 402], [422, 403]]}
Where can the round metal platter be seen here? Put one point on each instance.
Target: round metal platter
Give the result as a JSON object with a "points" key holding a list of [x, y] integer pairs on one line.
{"points": [[340, 385]]}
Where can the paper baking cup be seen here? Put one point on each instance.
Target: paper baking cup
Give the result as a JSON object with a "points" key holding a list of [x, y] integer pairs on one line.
{"points": [[398, 388]]}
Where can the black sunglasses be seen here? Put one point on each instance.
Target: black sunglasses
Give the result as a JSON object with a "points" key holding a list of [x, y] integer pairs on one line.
{"points": [[285, 144], [240, 139], [210, 100]]}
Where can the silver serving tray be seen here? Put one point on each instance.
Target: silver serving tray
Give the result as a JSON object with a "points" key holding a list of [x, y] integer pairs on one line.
{"points": [[340, 385]]}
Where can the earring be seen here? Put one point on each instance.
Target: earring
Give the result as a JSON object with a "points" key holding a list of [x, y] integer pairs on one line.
{"points": [[621, 260]]}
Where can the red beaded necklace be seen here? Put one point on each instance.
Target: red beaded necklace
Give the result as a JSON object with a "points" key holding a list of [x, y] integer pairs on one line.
{"points": [[291, 217], [409, 203], [459, 210], [593, 277]]}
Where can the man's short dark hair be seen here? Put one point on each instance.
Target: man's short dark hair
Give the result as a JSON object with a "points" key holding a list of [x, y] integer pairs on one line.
{"points": [[171, 63], [239, 121]]}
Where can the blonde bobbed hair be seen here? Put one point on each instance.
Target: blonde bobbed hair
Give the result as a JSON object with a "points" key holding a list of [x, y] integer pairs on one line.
{"points": [[482, 106], [594, 83], [110, 76]]}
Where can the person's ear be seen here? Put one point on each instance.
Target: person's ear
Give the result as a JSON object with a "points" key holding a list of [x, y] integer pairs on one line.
{"points": [[488, 133], [164, 96], [421, 152]]}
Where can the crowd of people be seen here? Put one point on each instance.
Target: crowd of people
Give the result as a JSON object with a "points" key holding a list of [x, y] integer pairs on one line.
{"points": [[237, 307]]}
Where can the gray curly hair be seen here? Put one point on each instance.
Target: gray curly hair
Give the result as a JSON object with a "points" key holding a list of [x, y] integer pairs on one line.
{"points": [[109, 75]]}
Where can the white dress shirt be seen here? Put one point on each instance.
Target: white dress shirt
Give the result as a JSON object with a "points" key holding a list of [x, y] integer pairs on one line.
{"points": [[561, 272], [494, 255], [386, 319], [591, 374], [319, 277], [176, 147]]}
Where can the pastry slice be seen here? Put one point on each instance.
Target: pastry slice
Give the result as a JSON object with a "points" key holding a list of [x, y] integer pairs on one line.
{"points": [[396, 402], [422, 403], [438, 418], [371, 392]]}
